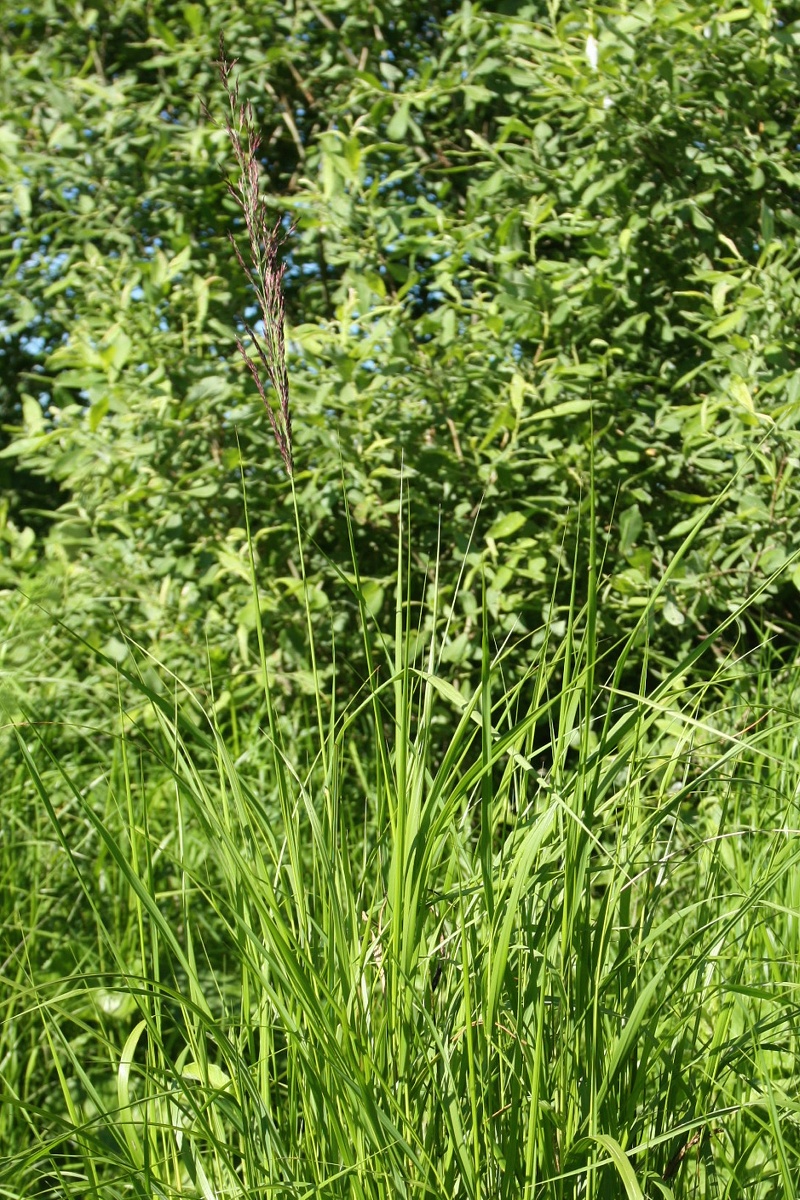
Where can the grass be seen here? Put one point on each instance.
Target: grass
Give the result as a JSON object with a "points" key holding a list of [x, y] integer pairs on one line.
{"points": [[392, 954], [538, 939]]}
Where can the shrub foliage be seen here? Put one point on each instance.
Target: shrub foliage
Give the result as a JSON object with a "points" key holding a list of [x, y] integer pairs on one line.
{"points": [[533, 242]]}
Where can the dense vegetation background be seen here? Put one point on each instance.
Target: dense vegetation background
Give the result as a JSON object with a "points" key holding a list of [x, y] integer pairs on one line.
{"points": [[545, 268], [507, 255]]}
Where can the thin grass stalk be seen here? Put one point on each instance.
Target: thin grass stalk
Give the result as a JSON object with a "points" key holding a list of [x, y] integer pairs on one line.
{"points": [[265, 272]]}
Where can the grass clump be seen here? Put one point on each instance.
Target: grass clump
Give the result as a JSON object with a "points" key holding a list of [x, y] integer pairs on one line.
{"points": [[375, 976]]}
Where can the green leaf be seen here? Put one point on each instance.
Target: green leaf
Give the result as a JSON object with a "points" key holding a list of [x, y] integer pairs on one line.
{"points": [[734, 14], [32, 415], [567, 408], [727, 324], [96, 413], [622, 1163], [448, 327], [672, 614], [21, 195], [741, 393], [373, 594], [209, 1074], [398, 125], [506, 525], [630, 526], [118, 347]]}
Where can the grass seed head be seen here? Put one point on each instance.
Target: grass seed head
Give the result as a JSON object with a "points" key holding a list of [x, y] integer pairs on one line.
{"points": [[261, 264]]}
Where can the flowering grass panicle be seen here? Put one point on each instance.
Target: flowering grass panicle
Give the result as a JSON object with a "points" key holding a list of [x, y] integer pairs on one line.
{"points": [[263, 267]]}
